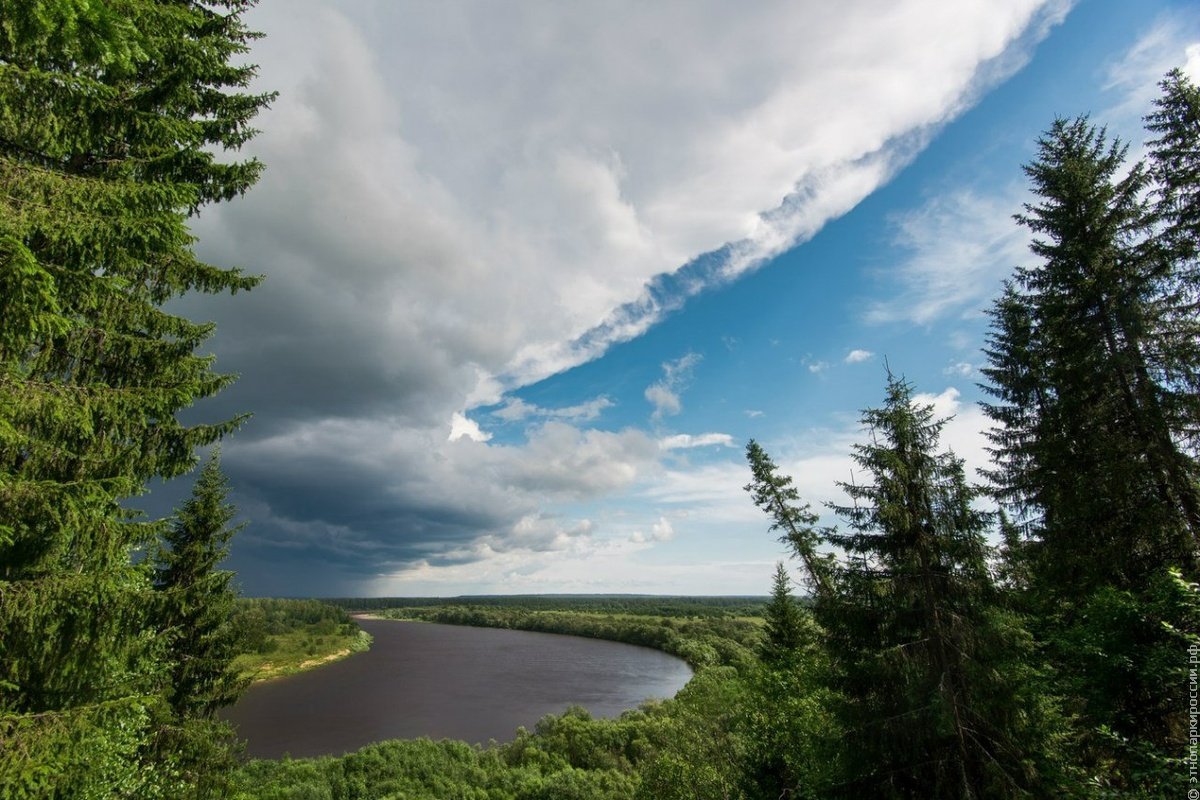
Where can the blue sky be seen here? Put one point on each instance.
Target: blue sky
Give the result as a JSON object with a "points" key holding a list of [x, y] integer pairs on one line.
{"points": [[536, 273]]}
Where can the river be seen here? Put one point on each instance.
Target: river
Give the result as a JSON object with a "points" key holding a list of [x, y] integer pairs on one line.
{"points": [[447, 681]]}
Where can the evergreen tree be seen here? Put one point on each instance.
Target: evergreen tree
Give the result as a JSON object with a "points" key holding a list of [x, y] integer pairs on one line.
{"points": [[111, 115], [937, 702], [1093, 361], [774, 493], [1175, 158], [1086, 449], [195, 614], [1175, 163], [785, 623]]}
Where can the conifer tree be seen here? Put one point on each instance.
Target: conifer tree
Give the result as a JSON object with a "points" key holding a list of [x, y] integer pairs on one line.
{"points": [[785, 626], [112, 116], [1175, 156], [1093, 356], [1175, 163], [937, 702], [195, 614], [773, 492], [1086, 449]]}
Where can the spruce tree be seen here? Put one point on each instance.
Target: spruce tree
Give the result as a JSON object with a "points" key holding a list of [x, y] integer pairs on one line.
{"points": [[785, 624], [931, 660], [1093, 356], [1175, 159], [936, 700], [195, 615], [1175, 163], [111, 119], [773, 492]]}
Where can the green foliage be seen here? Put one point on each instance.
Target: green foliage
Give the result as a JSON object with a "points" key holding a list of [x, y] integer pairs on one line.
{"points": [[702, 641], [196, 600], [627, 604], [1089, 414], [1094, 364], [787, 627], [774, 493], [193, 614], [277, 637], [931, 690], [114, 118], [794, 739]]}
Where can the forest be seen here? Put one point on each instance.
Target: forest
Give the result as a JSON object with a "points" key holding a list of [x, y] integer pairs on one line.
{"points": [[1035, 636]]}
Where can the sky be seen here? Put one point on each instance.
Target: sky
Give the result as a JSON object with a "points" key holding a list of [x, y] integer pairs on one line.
{"points": [[536, 272]]}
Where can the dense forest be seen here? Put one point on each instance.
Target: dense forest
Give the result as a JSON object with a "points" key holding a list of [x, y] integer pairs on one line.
{"points": [[925, 660]]}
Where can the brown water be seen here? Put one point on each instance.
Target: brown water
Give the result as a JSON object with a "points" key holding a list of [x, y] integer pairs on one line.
{"points": [[448, 681]]}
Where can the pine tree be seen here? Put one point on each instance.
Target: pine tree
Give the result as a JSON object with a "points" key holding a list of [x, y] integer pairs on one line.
{"points": [[1093, 356], [111, 115], [195, 614], [774, 493], [1086, 448], [937, 702], [785, 624]]}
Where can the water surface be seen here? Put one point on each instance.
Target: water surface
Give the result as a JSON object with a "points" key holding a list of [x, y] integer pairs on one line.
{"points": [[448, 681]]}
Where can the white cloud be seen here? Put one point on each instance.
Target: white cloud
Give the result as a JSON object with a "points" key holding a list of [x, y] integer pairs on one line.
{"points": [[753, 413], [664, 393], [665, 401], [558, 159], [684, 441], [1191, 64], [662, 531], [516, 409], [1172, 41], [461, 427], [965, 433], [958, 249], [961, 369], [817, 367], [858, 356]]}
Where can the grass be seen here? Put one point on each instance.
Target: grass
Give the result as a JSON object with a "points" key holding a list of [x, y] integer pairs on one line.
{"points": [[299, 650]]}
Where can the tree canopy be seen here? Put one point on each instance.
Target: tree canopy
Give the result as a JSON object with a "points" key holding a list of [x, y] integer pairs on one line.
{"points": [[115, 119]]}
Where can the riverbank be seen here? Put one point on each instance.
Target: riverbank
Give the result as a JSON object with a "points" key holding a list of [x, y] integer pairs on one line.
{"points": [[702, 641], [281, 637], [295, 655]]}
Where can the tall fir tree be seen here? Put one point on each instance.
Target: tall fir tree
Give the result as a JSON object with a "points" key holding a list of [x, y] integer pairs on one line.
{"points": [[1175, 164], [195, 615], [775, 494], [1086, 448], [1093, 357], [785, 624], [112, 116], [936, 701]]}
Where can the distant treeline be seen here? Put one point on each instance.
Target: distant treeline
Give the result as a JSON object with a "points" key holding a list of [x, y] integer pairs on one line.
{"points": [[700, 640], [634, 604]]}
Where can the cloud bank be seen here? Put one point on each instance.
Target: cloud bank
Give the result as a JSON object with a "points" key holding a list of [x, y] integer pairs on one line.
{"points": [[463, 199]]}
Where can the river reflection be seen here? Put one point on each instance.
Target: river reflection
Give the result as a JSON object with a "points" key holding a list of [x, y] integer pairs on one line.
{"points": [[447, 681]]}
